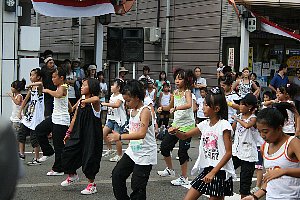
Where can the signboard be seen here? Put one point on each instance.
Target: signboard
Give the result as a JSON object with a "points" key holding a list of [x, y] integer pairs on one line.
{"points": [[257, 68], [231, 57], [293, 61], [250, 59]]}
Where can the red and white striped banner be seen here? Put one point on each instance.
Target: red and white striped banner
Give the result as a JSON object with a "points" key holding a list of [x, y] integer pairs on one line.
{"points": [[73, 8], [271, 27]]}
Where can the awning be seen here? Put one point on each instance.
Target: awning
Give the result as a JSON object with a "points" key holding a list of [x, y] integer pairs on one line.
{"points": [[73, 8], [285, 3]]}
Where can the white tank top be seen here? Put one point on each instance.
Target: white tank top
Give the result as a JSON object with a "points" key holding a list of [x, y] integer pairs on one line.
{"points": [[60, 113], [143, 151], [15, 110], [284, 187], [165, 99], [185, 117], [35, 111]]}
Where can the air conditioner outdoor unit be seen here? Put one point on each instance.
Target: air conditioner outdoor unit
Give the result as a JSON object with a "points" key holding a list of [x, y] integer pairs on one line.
{"points": [[152, 34]]}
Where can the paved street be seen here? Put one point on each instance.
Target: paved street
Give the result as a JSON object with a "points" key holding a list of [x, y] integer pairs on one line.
{"points": [[37, 186]]}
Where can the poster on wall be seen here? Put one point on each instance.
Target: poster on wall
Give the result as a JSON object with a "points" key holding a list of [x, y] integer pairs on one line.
{"points": [[250, 58], [293, 62], [272, 63], [231, 57], [257, 68], [266, 65], [265, 72], [262, 80]]}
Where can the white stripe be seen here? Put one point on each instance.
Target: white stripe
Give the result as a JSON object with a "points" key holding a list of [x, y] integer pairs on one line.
{"points": [[55, 10], [270, 29]]}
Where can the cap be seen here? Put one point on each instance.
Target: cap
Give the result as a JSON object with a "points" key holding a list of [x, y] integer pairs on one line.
{"points": [[48, 59], [76, 60], [150, 81], [91, 67], [249, 99], [123, 69]]}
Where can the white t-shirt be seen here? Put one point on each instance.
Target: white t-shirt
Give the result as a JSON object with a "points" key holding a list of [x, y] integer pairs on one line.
{"points": [[15, 110], [230, 98], [143, 151], [289, 125], [196, 91], [212, 147], [71, 89], [245, 141], [165, 99], [200, 113], [117, 114]]}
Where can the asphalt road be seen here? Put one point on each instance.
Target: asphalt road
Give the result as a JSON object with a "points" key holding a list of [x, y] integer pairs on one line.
{"points": [[35, 185]]}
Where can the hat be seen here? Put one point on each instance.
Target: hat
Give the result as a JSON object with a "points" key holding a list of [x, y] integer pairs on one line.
{"points": [[91, 67], [48, 59], [76, 60], [249, 99], [123, 69]]}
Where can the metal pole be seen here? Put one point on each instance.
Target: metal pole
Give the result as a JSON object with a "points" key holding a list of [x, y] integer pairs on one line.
{"points": [[167, 36], [118, 68], [99, 45], [133, 70], [79, 38]]}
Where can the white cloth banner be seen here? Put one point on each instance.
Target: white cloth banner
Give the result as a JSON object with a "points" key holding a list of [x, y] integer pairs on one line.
{"points": [[88, 8]]}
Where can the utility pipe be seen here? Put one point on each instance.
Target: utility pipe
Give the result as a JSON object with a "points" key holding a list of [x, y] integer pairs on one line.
{"points": [[167, 36]]}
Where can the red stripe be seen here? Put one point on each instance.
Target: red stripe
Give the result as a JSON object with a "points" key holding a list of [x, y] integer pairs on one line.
{"points": [[74, 3]]}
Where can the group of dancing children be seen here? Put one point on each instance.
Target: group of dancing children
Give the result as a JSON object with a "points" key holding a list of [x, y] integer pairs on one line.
{"points": [[231, 133]]}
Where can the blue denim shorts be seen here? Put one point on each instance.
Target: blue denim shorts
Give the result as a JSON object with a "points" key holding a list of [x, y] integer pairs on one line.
{"points": [[113, 125]]}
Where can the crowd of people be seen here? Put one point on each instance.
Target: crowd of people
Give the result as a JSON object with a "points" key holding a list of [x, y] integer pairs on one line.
{"points": [[239, 123]]}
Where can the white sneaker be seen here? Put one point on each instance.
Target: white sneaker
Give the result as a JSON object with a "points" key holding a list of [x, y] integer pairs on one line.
{"points": [[180, 181], [90, 189], [70, 180], [109, 153], [166, 172], [53, 173], [116, 158], [44, 158]]}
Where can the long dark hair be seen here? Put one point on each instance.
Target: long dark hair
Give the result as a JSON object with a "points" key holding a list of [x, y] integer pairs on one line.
{"points": [[276, 115], [159, 77], [19, 85], [216, 97], [187, 76], [134, 88]]}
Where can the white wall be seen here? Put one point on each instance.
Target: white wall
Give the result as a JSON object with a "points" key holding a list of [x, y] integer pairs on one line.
{"points": [[8, 57]]}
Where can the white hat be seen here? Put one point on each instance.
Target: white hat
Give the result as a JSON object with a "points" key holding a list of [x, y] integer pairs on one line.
{"points": [[91, 67], [48, 59], [123, 69]]}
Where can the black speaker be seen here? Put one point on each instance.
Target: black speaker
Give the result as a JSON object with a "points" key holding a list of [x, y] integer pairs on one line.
{"points": [[132, 45], [114, 43]]}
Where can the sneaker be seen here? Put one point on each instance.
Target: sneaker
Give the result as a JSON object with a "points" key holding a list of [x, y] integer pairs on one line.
{"points": [[180, 181], [166, 172], [34, 161], [70, 180], [254, 190], [116, 158], [44, 158], [53, 173], [22, 156], [90, 189], [109, 153], [177, 158]]}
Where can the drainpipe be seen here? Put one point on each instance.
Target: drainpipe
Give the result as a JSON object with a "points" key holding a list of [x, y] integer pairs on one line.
{"points": [[167, 36], [79, 38]]}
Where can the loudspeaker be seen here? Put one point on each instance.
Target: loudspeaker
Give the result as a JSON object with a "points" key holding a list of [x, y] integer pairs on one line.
{"points": [[132, 45], [114, 43]]}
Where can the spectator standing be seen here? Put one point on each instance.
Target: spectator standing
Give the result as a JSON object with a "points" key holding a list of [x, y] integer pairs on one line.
{"points": [[70, 80], [162, 78], [46, 72], [296, 81], [280, 79], [79, 77], [103, 92], [91, 73], [146, 71], [199, 82], [122, 73], [245, 85]]}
